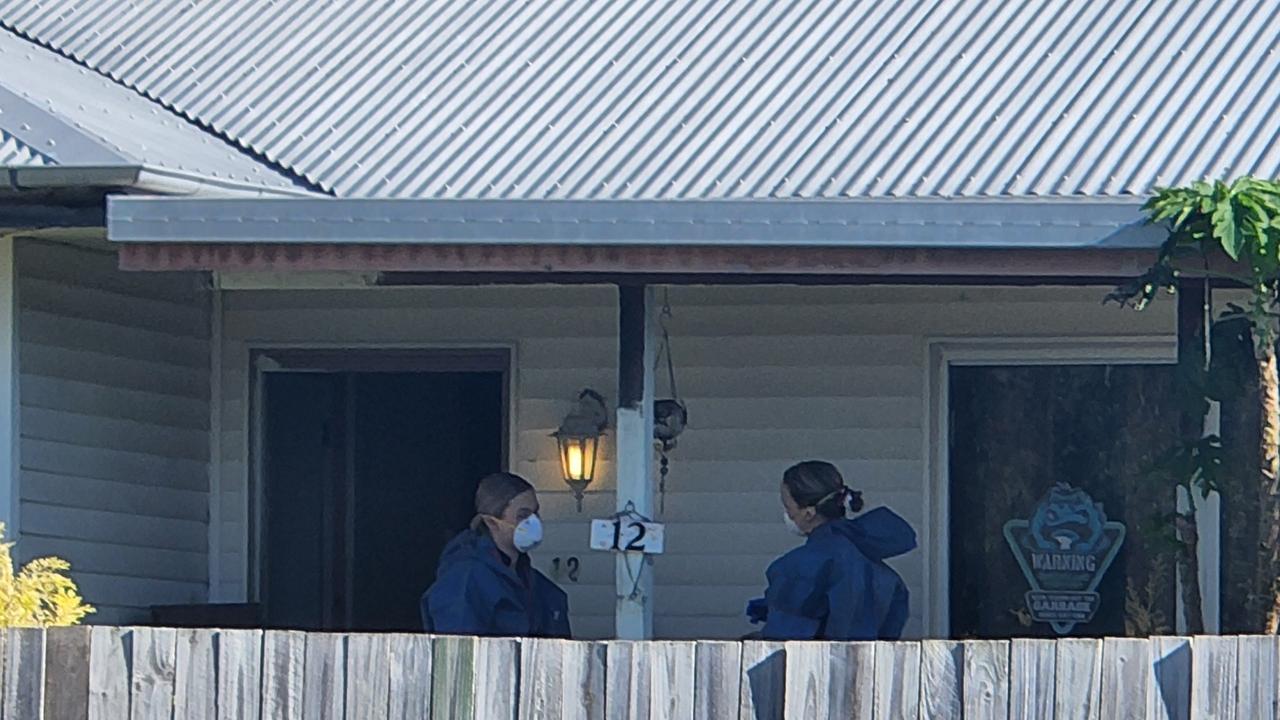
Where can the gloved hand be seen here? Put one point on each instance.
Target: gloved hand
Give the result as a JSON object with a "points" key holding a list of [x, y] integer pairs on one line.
{"points": [[757, 611]]}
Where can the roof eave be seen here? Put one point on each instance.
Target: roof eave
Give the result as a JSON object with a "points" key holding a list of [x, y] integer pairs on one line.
{"points": [[898, 223], [140, 178]]}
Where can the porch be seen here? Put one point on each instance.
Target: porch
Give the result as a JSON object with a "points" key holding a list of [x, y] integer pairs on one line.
{"points": [[140, 422]]}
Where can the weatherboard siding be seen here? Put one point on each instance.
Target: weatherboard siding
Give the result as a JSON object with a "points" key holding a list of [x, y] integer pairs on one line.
{"points": [[114, 424], [771, 375]]}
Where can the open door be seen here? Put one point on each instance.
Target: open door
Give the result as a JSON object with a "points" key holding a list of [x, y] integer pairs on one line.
{"points": [[366, 475]]}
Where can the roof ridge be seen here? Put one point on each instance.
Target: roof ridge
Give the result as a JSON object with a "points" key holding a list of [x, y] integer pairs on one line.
{"points": [[204, 127]]}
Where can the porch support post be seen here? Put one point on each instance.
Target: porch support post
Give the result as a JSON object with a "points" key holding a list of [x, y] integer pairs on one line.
{"points": [[636, 347], [9, 433], [1194, 322]]}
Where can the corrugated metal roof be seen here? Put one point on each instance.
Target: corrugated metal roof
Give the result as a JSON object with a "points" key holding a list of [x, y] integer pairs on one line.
{"points": [[14, 152], [705, 98], [76, 116]]}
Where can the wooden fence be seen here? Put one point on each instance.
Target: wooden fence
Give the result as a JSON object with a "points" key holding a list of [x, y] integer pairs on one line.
{"points": [[161, 673]]}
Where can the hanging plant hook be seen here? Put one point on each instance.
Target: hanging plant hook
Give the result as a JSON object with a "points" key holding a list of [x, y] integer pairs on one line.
{"points": [[670, 416]]}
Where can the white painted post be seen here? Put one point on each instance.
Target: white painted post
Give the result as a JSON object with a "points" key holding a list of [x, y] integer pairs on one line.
{"points": [[9, 433], [636, 346], [1209, 526]]}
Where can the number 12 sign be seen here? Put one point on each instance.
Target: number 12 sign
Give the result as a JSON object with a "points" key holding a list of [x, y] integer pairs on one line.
{"points": [[627, 535]]}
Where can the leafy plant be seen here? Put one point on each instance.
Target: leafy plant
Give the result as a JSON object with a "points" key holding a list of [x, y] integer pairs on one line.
{"points": [[1230, 232], [39, 594]]}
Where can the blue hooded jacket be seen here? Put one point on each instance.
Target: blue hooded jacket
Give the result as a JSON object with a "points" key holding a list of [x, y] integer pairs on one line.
{"points": [[478, 592], [837, 586]]}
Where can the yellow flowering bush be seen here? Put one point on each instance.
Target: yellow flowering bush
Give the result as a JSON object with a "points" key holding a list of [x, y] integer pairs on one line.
{"points": [[40, 594]]}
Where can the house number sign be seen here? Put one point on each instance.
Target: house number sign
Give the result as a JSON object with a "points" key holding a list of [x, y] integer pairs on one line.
{"points": [[627, 534]]}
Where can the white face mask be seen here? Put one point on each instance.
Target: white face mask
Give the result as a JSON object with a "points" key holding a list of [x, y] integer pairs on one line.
{"points": [[792, 527], [528, 534]]}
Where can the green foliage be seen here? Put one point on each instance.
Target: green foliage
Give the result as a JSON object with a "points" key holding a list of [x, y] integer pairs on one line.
{"points": [[1239, 222]]}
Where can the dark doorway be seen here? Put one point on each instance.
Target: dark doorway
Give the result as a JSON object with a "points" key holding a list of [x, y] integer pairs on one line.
{"points": [[1014, 433], [367, 474]]}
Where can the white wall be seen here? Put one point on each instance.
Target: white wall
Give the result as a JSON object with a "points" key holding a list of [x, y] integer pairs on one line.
{"points": [[771, 374], [114, 427]]}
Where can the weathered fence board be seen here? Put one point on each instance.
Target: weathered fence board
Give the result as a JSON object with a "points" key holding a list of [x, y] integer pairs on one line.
{"points": [[453, 661], [152, 679], [144, 673], [324, 689], [195, 692], [660, 685], [717, 679], [369, 677], [764, 680], [110, 653], [941, 678], [66, 678], [498, 673], [24, 673], [1032, 677], [239, 674], [409, 660], [1213, 686], [986, 680], [830, 680], [562, 679], [1125, 679], [283, 661], [1170, 695], [897, 681], [1078, 680], [1257, 669]]}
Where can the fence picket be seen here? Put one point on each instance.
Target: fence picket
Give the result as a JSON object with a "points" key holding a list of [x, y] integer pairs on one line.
{"points": [[764, 680], [897, 681], [561, 679], [152, 679], [324, 686], [24, 673], [1170, 694], [1032, 677], [1078, 680], [941, 678], [453, 676], [240, 674], [1256, 671], [1125, 678], [283, 661], [1214, 676], [717, 679], [986, 679], [66, 681], [409, 660], [830, 680], [110, 655], [368, 683], [195, 688]]}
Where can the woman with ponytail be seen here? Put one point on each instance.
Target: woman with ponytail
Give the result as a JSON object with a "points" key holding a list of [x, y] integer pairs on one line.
{"points": [[836, 586], [485, 584]]}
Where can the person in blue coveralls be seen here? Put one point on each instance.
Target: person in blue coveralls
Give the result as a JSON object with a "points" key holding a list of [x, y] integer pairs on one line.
{"points": [[836, 586], [485, 584]]}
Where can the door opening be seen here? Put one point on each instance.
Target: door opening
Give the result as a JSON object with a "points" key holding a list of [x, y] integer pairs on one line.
{"points": [[367, 472]]}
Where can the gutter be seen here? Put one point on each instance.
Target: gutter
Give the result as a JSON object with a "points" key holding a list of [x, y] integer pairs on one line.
{"points": [[143, 179]]}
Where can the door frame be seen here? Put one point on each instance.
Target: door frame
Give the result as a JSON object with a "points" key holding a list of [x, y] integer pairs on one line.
{"points": [[266, 358], [943, 353]]}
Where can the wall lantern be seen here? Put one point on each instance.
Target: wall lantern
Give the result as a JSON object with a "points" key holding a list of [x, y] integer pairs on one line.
{"points": [[579, 441]]}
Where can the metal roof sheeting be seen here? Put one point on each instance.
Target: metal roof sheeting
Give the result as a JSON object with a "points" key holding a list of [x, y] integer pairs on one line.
{"points": [[76, 116], [14, 152], [704, 98]]}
